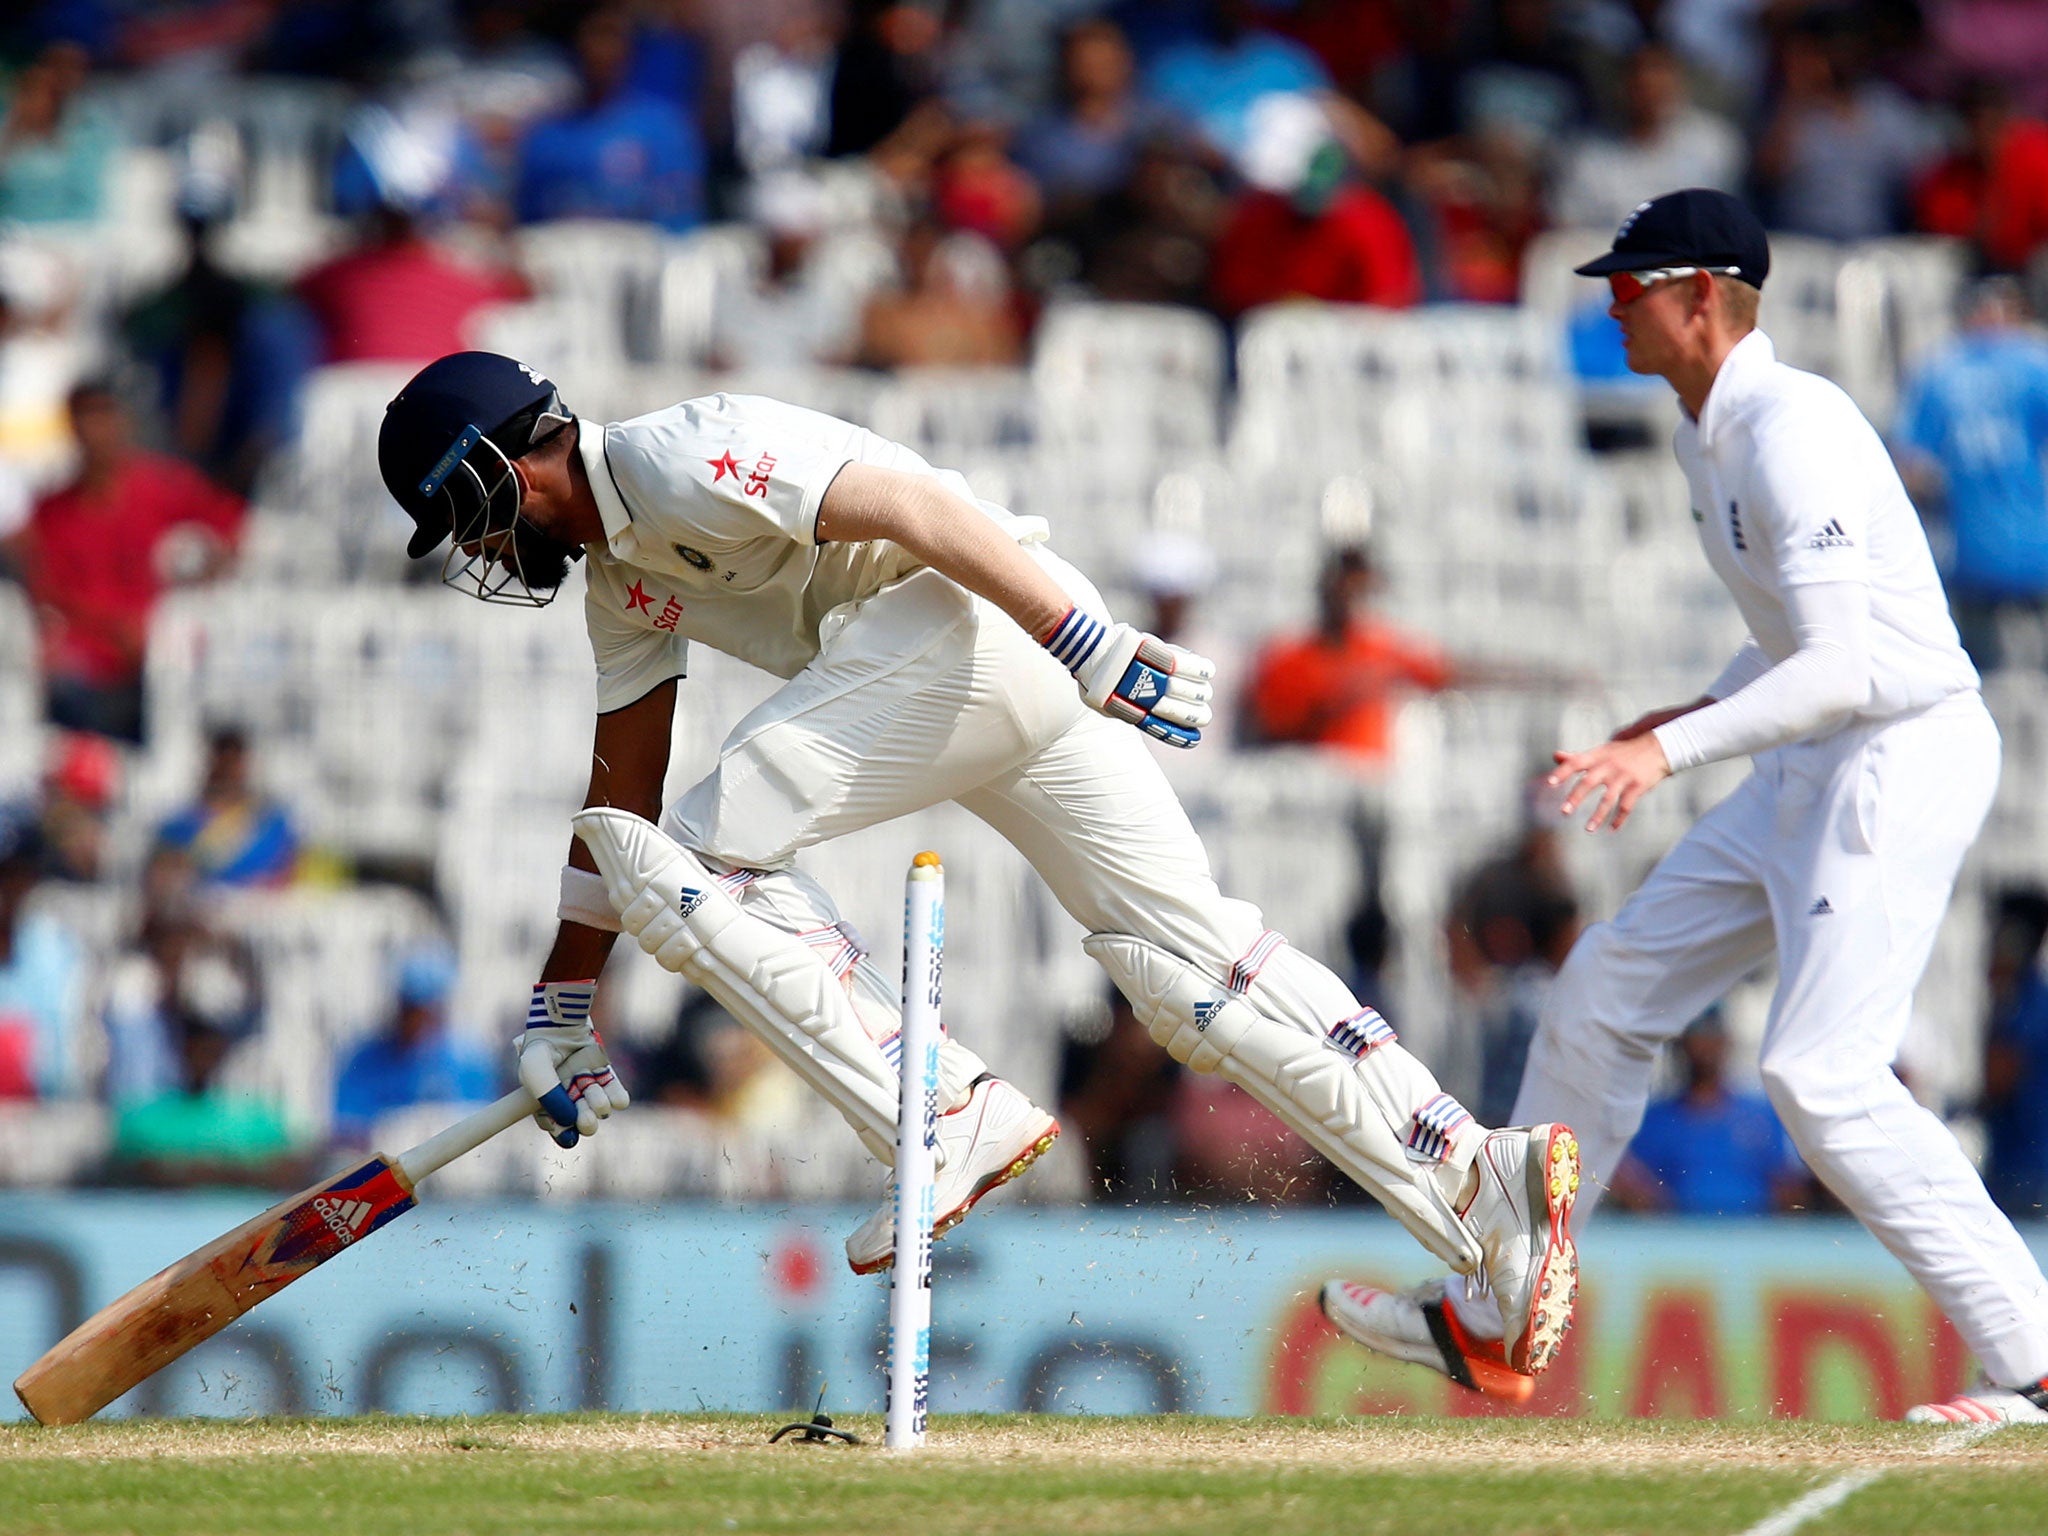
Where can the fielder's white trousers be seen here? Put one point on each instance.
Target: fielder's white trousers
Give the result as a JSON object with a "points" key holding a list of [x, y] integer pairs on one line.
{"points": [[924, 693], [1840, 855]]}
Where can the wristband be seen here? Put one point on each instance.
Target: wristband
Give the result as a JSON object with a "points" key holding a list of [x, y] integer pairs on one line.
{"points": [[555, 1004], [584, 901], [1075, 639]]}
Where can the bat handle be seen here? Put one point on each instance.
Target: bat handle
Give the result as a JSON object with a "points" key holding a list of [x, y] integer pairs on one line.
{"points": [[465, 1135]]}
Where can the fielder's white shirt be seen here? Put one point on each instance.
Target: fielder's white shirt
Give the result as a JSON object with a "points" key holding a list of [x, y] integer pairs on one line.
{"points": [[710, 513], [1792, 487]]}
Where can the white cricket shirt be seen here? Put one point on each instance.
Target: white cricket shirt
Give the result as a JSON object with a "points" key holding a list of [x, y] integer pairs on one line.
{"points": [[1791, 487], [710, 513]]}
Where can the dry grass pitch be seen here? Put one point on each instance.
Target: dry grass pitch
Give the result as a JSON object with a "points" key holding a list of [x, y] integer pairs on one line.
{"points": [[1070, 1476]]}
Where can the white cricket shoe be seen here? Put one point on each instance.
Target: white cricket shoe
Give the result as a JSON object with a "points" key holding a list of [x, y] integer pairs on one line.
{"points": [[1420, 1326], [1521, 1212], [1988, 1405], [986, 1142]]}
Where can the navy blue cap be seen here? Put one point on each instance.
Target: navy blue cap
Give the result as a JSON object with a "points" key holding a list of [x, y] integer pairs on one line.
{"points": [[437, 420], [1698, 227]]}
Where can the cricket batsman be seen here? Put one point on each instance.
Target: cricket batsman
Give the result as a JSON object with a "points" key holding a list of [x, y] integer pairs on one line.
{"points": [[1874, 765], [932, 648]]}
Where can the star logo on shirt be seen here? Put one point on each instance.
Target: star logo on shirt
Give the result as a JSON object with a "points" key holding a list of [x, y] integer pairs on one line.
{"points": [[639, 597], [725, 464]]}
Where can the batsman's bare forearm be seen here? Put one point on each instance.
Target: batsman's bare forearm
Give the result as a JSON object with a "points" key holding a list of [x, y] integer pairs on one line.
{"points": [[628, 765], [578, 952], [952, 536]]}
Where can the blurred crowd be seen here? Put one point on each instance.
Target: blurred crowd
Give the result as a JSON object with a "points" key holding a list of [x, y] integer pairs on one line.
{"points": [[1221, 153], [926, 179]]}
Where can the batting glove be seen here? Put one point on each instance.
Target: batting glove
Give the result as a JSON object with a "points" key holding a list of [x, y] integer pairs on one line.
{"points": [[562, 1062], [1135, 677]]}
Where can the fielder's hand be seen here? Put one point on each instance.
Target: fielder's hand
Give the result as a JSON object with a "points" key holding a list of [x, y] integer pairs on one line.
{"points": [[1135, 677], [1615, 774], [562, 1062]]}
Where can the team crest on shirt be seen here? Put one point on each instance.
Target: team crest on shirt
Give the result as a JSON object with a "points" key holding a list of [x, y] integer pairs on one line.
{"points": [[696, 559]]}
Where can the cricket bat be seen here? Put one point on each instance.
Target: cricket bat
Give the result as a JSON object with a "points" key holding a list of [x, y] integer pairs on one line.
{"points": [[138, 1335]]}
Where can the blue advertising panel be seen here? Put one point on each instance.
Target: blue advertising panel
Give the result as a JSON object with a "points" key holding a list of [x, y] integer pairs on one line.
{"points": [[473, 1308]]}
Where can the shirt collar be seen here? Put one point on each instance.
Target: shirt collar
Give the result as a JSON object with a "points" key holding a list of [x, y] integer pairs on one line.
{"points": [[618, 521], [1741, 371]]}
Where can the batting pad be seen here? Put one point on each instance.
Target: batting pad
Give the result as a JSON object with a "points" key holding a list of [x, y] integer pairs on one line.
{"points": [[1313, 1086], [771, 981]]}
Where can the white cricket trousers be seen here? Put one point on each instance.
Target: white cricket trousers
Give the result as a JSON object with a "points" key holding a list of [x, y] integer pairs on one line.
{"points": [[925, 693], [1839, 854]]}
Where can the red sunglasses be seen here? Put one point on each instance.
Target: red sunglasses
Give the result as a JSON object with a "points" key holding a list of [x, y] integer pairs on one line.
{"points": [[1630, 286]]}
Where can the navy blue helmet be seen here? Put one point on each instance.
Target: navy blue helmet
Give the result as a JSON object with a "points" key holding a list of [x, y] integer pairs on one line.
{"points": [[449, 437]]}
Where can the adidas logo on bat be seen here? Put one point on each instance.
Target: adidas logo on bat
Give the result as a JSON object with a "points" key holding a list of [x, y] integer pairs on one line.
{"points": [[344, 1218]]}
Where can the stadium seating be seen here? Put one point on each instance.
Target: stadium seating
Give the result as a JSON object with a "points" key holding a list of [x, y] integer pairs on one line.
{"points": [[402, 724]]}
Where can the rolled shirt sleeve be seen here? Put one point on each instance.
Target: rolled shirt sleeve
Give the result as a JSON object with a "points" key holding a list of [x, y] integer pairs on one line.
{"points": [[632, 660]]}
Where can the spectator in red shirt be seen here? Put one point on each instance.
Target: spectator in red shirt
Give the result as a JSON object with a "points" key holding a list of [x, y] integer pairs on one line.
{"points": [[1303, 230], [398, 297], [97, 553], [1338, 686], [1994, 190]]}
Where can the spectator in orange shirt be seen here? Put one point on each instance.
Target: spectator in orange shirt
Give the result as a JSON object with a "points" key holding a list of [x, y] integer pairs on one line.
{"points": [[1339, 685], [1994, 190], [97, 553]]}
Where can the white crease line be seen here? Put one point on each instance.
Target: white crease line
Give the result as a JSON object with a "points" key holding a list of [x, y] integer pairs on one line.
{"points": [[1808, 1506], [1824, 1498], [1962, 1439]]}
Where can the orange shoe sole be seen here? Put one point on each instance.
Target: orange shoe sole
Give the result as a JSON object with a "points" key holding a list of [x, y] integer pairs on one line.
{"points": [[1554, 1182]]}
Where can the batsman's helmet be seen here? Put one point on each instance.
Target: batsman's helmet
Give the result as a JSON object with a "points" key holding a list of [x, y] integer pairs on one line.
{"points": [[448, 441]]}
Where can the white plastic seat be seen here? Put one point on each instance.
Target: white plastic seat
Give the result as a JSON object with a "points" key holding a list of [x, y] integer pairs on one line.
{"points": [[1129, 374], [686, 287], [331, 473], [607, 274], [948, 413], [21, 697]]}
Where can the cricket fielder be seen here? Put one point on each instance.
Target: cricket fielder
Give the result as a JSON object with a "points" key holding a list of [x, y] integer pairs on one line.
{"points": [[1874, 765], [933, 648]]}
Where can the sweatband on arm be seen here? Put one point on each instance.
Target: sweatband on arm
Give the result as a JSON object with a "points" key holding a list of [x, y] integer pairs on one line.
{"points": [[1824, 679], [584, 900]]}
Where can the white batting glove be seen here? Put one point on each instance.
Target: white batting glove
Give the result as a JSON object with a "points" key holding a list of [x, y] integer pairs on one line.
{"points": [[562, 1062], [1135, 677]]}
